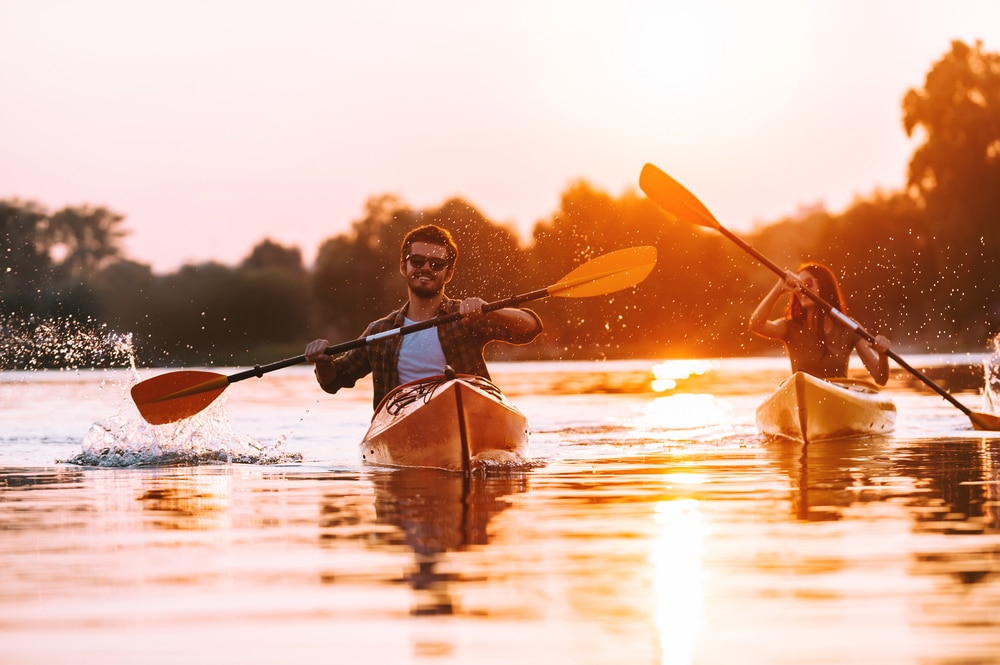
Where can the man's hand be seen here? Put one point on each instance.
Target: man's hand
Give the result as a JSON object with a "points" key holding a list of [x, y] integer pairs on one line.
{"points": [[316, 351], [471, 308]]}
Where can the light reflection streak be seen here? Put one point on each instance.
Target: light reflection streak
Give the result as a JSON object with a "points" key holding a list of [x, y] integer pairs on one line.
{"points": [[669, 372], [199, 502], [678, 563], [685, 411], [991, 478], [991, 369]]}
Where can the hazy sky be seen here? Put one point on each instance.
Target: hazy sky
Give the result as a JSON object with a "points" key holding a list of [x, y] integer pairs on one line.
{"points": [[213, 124]]}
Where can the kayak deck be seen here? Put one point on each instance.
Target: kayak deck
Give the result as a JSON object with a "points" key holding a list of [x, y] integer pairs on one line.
{"points": [[805, 408], [445, 422]]}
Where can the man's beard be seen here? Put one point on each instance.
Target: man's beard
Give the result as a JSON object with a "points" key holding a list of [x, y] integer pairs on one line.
{"points": [[425, 290]]}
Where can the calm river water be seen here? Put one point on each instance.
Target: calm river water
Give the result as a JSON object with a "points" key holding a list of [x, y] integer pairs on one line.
{"points": [[653, 527]]}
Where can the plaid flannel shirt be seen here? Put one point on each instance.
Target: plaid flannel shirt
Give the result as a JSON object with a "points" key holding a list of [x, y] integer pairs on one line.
{"points": [[462, 343]]}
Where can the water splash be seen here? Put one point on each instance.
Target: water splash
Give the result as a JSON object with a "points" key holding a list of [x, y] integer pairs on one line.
{"points": [[493, 462], [991, 367], [35, 343], [126, 440]]}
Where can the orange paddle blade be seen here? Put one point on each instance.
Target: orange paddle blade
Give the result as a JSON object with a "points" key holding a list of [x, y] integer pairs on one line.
{"points": [[674, 198], [987, 422], [176, 395]]}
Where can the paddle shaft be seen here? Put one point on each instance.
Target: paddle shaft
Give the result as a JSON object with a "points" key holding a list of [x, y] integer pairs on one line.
{"points": [[260, 370]]}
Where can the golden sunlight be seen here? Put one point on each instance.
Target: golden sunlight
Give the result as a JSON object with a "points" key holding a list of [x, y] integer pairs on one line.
{"points": [[672, 50], [668, 373], [198, 503], [678, 562], [685, 411]]}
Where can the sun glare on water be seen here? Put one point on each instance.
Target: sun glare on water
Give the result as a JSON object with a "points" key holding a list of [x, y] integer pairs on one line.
{"points": [[668, 373], [678, 562], [678, 410]]}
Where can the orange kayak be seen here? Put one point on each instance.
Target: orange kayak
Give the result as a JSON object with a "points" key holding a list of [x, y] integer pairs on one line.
{"points": [[446, 422], [805, 408]]}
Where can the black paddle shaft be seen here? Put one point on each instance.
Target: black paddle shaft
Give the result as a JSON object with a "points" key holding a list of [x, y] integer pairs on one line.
{"points": [[260, 370]]}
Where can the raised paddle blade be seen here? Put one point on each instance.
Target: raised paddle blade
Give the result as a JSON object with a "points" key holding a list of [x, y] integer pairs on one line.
{"points": [[173, 396], [607, 273], [674, 198]]}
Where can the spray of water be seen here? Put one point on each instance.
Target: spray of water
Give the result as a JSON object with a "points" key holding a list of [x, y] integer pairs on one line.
{"points": [[67, 342], [991, 389], [125, 439]]}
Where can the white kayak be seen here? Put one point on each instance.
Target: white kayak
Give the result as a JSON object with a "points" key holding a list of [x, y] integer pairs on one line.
{"points": [[805, 408]]}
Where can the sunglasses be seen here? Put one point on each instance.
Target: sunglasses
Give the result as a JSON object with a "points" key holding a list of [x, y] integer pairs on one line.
{"points": [[417, 262]]}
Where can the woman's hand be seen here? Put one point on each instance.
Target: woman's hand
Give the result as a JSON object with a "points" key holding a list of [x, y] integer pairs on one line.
{"points": [[873, 356]]}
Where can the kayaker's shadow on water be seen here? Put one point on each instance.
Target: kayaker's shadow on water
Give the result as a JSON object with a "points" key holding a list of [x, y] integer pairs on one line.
{"points": [[435, 512], [829, 476]]}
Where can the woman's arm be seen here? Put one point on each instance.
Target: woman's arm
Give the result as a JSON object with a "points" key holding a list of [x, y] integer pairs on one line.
{"points": [[759, 322], [874, 357]]}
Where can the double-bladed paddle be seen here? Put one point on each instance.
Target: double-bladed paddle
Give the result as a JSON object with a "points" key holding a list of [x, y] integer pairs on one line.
{"points": [[682, 205], [175, 395]]}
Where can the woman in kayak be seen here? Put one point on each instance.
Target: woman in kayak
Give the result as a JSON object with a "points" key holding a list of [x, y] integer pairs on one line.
{"points": [[816, 342]]}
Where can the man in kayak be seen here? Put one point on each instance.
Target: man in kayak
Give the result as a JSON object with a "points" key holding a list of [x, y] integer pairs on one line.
{"points": [[816, 342], [427, 263]]}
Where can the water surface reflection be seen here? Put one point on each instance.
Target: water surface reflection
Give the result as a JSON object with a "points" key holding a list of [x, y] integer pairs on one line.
{"points": [[432, 513], [659, 528], [927, 506]]}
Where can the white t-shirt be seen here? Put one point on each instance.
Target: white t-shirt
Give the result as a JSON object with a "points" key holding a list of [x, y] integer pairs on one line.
{"points": [[420, 355]]}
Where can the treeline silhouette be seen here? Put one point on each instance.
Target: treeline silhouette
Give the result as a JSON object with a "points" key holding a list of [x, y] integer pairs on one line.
{"points": [[919, 265]]}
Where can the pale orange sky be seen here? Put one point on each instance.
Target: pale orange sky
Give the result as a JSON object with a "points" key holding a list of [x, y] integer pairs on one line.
{"points": [[214, 124]]}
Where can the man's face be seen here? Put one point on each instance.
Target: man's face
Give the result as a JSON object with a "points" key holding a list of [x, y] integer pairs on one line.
{"points": [[421, 276]]}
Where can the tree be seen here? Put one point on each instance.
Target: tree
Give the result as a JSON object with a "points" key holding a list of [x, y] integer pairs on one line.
{"points": [[85, 239], [25, 265], [269, 254], [955, 173]]}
